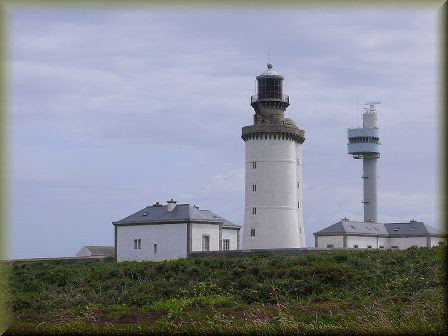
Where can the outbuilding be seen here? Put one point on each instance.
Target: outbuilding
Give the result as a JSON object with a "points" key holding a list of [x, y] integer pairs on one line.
{"points": [[172, 231], [96, 251], [352, 234]]}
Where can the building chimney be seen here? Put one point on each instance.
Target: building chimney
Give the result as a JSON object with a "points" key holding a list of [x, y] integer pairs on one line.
{"points": [[171, 205]]}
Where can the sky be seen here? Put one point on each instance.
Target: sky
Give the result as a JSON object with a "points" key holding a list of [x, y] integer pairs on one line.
{"points": [[111, 110]]}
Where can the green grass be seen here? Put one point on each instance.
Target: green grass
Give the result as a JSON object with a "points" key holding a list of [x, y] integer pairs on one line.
{"points": [[374, 291]]}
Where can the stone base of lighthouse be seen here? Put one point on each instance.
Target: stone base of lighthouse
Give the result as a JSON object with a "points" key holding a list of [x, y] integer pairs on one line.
{"points": [[273, 182]]}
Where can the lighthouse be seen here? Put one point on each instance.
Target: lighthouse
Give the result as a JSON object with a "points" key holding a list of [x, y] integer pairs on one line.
{"points": [[364, 143], [273, 213]]}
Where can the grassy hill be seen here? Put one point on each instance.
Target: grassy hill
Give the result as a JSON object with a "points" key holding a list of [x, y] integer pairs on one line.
{"points": [[341, 291]]}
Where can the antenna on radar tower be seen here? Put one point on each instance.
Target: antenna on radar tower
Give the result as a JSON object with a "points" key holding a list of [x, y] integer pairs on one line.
{"points": [[372, 104]]}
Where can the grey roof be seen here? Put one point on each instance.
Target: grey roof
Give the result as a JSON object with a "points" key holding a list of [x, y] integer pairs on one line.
{"points": [[351, 227], [180, 213], [101, 250], [412, 228]]}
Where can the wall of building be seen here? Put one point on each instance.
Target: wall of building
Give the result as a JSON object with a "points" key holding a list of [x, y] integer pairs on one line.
{"points": [[171, 240], [198, 230], [364, 241], [232, 235], [278, 221], [299, 195], [378, 242], [436, 240], [324, 241], [406, 242]]}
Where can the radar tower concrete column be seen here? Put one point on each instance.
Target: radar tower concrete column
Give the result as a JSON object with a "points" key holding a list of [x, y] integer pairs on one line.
{"points": [[364, 143]]}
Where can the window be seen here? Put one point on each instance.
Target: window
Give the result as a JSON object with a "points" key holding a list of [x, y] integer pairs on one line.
{"points": [[330, 245], [394, 247], [254, 187], [252, 232], [297, 185], [226, 244], [369, 246], [441, 243], [135, 244], [254, 165], [298, 205], [355, 246], [205, 243], [155, 248], [381, 246], [139, 243], [254, 211]]}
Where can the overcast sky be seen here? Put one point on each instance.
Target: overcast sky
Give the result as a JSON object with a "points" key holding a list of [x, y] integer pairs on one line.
{"points": [[113, 110]]}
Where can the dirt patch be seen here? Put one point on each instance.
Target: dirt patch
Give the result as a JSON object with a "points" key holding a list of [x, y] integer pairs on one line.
{"points": [[134, 317]]}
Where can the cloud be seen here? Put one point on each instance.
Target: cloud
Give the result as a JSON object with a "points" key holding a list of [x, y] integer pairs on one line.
{"points": [[229, 182]]}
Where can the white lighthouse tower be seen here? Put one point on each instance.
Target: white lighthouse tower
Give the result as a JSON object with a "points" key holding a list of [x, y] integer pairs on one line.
{"points": [[364, 143], [273, 170]]}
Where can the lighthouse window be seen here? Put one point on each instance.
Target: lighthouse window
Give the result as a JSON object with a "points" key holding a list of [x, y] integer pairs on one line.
{"points": [[254, 165], [269, 88], [252, 232], [298, 205], [297, 185], [254, 211], [254, 187]]}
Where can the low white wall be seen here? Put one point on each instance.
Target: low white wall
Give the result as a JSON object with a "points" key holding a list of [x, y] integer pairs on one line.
{"points": [[232, 235], [198, 230], [406, 242], [362, 241], [336, 241], [171, 240], [436, 240], [384, 242]]}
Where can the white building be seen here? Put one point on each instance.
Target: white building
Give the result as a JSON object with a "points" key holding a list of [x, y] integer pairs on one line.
{"points": [[163, 232], [346, 233], [273, 170]]}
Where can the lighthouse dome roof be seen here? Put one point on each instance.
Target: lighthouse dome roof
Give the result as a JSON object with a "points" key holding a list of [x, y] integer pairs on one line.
{"points": [[270, 73]]}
